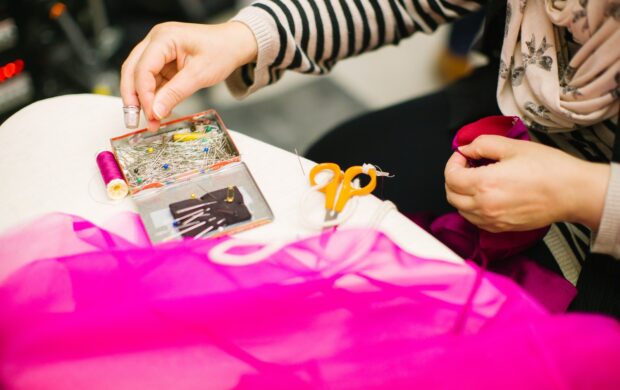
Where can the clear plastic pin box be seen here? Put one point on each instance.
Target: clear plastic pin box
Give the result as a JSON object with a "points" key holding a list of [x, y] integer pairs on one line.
{"points": [[188, 179]]}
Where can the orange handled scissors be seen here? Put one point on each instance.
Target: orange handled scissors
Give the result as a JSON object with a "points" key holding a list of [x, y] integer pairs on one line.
{"points": [[334, 200]]}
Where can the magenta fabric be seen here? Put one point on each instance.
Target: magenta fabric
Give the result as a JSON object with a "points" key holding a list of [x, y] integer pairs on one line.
{"points": [[504, 250], [350, 309], [506, 126], [493, 246], [501, 252]]}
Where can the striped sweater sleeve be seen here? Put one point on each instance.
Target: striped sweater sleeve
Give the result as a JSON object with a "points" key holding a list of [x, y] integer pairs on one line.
{"points": [[310, 36]]}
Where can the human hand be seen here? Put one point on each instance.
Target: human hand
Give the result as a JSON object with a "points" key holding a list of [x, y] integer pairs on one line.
{"points": [[529, 186], [177, 59]]}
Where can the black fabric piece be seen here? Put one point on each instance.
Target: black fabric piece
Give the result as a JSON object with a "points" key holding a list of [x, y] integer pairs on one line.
{"points": [[217, 210], [233, 212]]}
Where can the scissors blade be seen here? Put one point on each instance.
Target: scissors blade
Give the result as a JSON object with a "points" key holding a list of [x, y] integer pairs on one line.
{"points": [[330, 215]]}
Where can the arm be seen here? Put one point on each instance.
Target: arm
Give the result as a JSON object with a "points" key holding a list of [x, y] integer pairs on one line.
{"points": [[176, 59], [310, 36]]}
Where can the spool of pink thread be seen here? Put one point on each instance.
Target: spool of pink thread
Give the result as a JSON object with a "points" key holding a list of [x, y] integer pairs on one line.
{"points": [[112, 176]]}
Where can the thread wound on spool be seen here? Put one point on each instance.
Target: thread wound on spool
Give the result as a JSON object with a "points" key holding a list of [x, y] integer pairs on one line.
{"points": [[112, 176]]}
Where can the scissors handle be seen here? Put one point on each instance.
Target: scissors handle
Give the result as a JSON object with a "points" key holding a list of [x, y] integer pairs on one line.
{"points": [[348, 190], [331, 189]]}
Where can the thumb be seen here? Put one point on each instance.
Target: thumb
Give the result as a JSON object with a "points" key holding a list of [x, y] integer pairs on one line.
{"points": [[177, 89], [492, 147]]}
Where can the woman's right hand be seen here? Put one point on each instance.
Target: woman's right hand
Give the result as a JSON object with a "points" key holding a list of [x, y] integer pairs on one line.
{"points": [[177, 59]]}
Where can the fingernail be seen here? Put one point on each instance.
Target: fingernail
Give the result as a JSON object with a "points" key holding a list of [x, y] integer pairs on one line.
{"points": [[131, 115], [159, 111]]}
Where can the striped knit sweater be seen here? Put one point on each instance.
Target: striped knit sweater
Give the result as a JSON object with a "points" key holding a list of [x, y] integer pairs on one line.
{"points": [[310, 36]]}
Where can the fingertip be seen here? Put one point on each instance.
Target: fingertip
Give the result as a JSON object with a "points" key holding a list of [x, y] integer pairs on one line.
{"points": [[153, 125], [151, 62], [145, 89], [146, 99], [128, 91], [458, 159], [490, 146]]}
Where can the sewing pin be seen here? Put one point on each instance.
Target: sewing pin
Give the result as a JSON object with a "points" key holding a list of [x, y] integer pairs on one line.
{"points": [[187, 216], [193, 218], [181, 232]]}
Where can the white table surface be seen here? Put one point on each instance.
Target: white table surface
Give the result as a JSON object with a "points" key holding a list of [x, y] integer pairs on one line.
{"points": [[47, 164]]}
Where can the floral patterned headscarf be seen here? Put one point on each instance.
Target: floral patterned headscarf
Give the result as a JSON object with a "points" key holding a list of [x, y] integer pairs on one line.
{"points": [[550, 86]]}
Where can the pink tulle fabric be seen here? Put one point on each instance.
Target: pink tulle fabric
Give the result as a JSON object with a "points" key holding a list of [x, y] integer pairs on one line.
{"points": [[87, 309]]}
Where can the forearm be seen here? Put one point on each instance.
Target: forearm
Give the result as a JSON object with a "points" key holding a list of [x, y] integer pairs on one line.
{"points": [[311, 36]]}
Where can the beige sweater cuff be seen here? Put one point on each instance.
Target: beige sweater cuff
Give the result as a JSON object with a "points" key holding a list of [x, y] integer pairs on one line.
{"points": [[264, 28], [607, 240]]}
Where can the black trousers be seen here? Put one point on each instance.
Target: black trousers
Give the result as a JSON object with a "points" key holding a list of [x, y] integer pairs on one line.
{"points": [[412, 141]]}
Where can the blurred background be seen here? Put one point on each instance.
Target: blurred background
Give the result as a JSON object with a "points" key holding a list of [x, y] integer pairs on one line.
{"points": [[51, 48]]}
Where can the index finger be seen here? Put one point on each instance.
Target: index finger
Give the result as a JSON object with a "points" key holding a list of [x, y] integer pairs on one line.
{"points": [[459, 176], [153, 59], [128, 90]]}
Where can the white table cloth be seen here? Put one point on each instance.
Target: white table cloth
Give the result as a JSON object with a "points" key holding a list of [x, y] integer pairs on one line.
{"points": [[47, 164]]}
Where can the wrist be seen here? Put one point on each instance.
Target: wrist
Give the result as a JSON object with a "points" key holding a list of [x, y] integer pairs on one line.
{"points": [[245, 42], [590, 188]]}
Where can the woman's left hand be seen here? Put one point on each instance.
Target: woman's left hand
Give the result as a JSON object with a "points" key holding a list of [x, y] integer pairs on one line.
{"points": [[530, 185]]}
